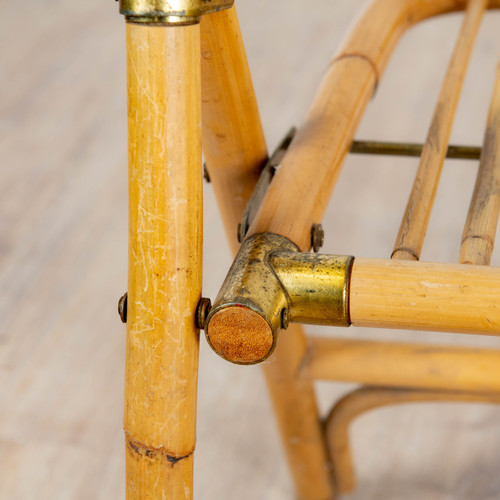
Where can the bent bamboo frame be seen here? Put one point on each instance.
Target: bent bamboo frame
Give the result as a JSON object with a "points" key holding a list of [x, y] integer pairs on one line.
{"points": [[165, 235], [368, 398], [325, 136]]}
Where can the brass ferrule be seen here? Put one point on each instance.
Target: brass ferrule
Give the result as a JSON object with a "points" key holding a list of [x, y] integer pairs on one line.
{"points": [[170, 12], [269, 284]]}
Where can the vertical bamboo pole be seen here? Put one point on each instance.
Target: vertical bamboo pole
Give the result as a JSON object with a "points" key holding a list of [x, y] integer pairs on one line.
{"points": [[478, 237], [233, 140], [411, 234], [234, 148], [164, 259]]}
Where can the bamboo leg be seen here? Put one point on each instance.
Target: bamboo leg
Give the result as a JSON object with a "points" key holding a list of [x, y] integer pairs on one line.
{"points": [[479, 232], [369, 398], [234, 147], [164, 259], [233, 140], [397, 364], [418, 210]]}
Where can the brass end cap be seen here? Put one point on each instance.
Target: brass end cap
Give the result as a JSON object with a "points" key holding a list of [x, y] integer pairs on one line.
{"points": [[240, 335]]}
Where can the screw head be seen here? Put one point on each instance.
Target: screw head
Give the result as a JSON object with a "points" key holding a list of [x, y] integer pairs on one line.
{"points": [[317, 237], [202, 312], [122, 308], [206, 175], [284, 319]]}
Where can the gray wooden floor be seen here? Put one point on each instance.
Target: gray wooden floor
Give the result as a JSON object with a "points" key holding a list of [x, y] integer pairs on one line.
{"points": [[63, 225]]}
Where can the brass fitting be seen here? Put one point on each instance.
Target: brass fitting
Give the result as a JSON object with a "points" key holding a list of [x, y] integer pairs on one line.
{"points": [[269, 284], [170, 12]]}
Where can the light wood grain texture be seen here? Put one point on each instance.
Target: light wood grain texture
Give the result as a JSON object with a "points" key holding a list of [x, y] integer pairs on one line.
{"points": [[165, 218], [233, 139], [478, 238], [234, 147], [411, 234], [425, 296], [397, 364], [369, 398]]}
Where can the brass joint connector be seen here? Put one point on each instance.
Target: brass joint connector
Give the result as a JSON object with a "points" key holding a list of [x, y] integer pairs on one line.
{"points": [[170, 12], [269, 285]]}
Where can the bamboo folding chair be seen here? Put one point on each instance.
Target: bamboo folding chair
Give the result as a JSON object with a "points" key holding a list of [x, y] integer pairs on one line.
{"points": [[274, 282]]}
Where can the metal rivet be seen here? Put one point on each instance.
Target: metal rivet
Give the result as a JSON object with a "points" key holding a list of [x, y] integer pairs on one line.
{"points": [[206, 175], [317, 237], [122, 308], [284, 319], [202, 312]]}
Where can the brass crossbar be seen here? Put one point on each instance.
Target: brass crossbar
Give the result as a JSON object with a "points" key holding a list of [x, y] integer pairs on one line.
{"points": [[411, 149]]}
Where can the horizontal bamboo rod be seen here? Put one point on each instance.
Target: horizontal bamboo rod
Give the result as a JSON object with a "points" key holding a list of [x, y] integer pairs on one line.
{"points": [[411, 234], [425, 296], [411, 149], [480, 228], [397, 364], [324, 138]]}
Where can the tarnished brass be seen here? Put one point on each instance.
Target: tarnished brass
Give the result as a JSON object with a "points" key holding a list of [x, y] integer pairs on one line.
{"points": [[411, 149], [265, 178], [317, 286], [173, 12], [252, 284], [202, 310], [272, 283], [122, 307]]}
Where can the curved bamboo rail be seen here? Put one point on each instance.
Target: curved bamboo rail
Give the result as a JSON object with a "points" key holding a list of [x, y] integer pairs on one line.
{"points": [[324, 138], [365, 399]]}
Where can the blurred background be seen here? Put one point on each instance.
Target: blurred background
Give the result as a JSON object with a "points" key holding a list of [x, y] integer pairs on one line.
{"points": [[63, 255]]}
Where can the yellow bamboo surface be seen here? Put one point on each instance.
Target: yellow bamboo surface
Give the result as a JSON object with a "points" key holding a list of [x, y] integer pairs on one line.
{"points": [[296, 410], [478, 237], [369, 398], [425, 296], [325, 136], [397, 364], [411, 234], [233, 140], [165, 229], [234, 147]]}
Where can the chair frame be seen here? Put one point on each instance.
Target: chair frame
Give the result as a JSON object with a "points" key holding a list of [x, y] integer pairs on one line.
{"points": [[171, 90]]}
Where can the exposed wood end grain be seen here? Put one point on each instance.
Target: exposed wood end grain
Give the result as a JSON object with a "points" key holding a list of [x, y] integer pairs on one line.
{"points": [[240, 335]]}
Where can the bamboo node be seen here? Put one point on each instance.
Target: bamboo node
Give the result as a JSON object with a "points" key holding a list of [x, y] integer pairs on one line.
{"points": [[153, 453]]}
